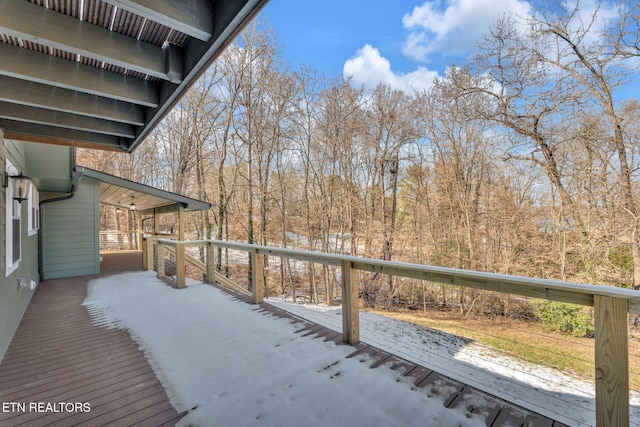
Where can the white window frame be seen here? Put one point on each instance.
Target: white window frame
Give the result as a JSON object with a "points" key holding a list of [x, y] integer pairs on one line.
{"points": [[13, 211], [33, 212]]}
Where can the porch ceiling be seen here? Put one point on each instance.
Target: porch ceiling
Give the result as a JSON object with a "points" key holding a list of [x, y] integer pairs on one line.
{"points": [[118, 192], [103, 73]]}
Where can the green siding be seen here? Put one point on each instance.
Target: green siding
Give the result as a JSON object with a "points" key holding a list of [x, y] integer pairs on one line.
{"points": [[14, 301], [70, 233]]}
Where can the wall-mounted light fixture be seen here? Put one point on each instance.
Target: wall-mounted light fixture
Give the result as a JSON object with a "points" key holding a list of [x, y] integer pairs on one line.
{"points": [[19, 184], [132, 206]]}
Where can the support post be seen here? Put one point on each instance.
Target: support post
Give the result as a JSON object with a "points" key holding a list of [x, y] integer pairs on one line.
{"points": [[160, 259], [611, 361], [145, 250], [211, 263], [151, 243], [139, 231], [350, 306], [156, 222], [181, 268], [181, 223], [257, 277]]}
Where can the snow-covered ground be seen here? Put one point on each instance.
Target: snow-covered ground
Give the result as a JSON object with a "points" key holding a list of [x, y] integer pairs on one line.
{"points": [[236, 366]]}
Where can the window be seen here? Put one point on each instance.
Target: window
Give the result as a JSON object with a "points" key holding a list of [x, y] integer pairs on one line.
{"points": [[33, 215], [13, 244]]}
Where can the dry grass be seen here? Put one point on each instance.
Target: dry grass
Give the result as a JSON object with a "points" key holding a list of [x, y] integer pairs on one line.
{"points": [[525, 340]]}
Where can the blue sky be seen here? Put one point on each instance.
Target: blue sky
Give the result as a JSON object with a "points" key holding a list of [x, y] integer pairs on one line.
{"points": [[401, 42], [327, 33]]}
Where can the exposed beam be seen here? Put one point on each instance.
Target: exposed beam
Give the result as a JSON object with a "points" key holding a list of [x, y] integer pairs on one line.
{"points": [[86, 105], [191, 17], [175, 207], [229, 19], [37, 24], [35, 115], [38, 67], [32, 94], [52, 135]]}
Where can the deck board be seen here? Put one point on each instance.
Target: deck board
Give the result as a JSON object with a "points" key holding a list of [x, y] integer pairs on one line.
{"points": [[58, 355]]}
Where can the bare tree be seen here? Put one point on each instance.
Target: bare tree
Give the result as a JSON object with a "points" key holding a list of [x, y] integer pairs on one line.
{"points": [[306, 141], [338, 158], [389, 128], [568, 64], [461, 155], [588, 50]]}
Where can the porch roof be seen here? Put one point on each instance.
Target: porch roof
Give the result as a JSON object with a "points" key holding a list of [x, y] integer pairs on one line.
{"points": [[103, 73], [118, 192]]}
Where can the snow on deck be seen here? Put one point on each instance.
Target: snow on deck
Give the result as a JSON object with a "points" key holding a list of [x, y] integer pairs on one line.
{"points": [[229, 364]]}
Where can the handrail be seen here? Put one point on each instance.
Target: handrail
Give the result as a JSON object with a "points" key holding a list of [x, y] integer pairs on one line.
{"points": [[576, 293], [216, 276], [611, 305]]}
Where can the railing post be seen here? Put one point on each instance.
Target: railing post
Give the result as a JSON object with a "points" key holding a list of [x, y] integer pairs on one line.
{"points": [[611, 361], [350, 309], [181, 268], [160, 259], [147, 259], [211, 262], [257, 277], [151, 247]]}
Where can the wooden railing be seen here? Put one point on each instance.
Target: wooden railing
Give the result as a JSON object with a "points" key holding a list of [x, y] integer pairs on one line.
{"points": [[611, 305], [150, 247]]}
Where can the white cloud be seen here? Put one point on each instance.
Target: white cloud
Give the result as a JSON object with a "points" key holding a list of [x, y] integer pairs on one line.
{"points": [[369, 68], [437, 26], [453, 26]]}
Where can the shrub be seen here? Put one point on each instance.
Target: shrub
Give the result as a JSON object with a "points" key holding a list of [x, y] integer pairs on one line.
{"points": [[568, 318]]}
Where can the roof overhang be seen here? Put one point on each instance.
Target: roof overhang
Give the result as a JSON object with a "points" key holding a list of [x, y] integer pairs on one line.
{"points": [[50, 167], [118, 192], [103, 73]]}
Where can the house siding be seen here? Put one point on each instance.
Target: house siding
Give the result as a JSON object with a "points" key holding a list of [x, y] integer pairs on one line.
{"points": [[70, 233], [14, 300]]}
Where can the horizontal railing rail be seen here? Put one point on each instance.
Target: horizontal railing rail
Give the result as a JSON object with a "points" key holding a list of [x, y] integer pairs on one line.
{"points": [[149, 241], [202, 267], [611, 305]]}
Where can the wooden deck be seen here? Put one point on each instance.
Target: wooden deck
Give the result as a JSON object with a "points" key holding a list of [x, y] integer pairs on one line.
{"points": [[496, 412], [57, 355]]}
